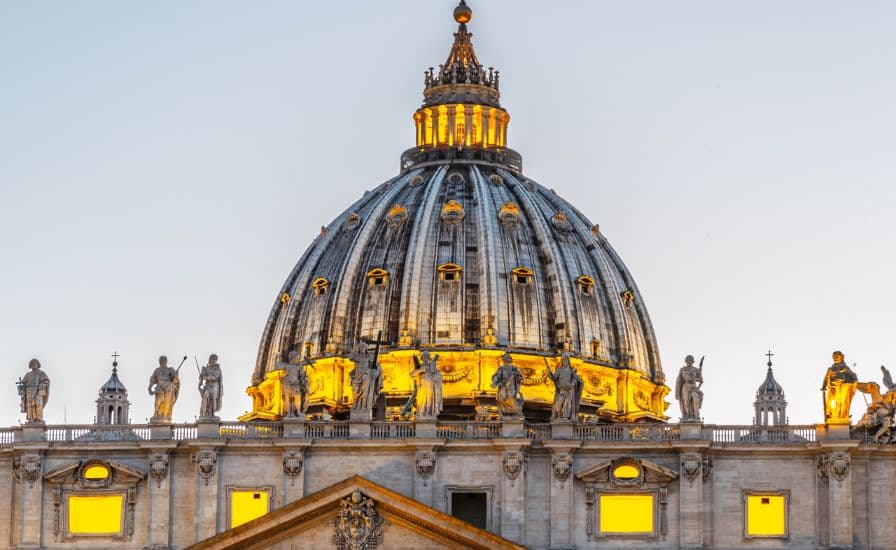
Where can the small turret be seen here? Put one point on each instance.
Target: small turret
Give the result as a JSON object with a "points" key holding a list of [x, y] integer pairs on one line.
{"points": [[770, 405], [112, 404]]}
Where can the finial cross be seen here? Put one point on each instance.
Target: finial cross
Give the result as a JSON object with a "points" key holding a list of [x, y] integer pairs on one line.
{"points": [[769, 355], [115, 357]]}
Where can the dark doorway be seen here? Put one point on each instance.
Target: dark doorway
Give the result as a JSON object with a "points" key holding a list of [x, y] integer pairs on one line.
{"points": [[470, 507]]}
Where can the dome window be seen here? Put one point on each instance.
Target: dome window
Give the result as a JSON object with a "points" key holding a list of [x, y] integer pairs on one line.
{"points": [[285, 298], [496, 180], [628, 298], [456, 178], [320, 286], [377, 277], [509, 214], [449, 273], [522, 275], [416, 180], [352, 221], [561, 223], [453, 213], [586, 285], [397, 215]]}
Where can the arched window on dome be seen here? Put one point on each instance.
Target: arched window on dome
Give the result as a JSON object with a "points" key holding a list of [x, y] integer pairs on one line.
{"points": [[522, 275], [377, 277], [586, 285], [320, 286], [449, 272]]}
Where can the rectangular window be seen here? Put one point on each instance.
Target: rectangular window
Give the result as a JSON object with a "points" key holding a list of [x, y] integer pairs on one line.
{"points": [[471, 507], [95, 514], [248, 504], [626, 514], [765, 514]]}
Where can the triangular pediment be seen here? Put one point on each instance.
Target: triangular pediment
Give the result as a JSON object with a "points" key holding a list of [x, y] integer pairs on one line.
{"points": [[325, 518], [73, 472], [602, 471]]}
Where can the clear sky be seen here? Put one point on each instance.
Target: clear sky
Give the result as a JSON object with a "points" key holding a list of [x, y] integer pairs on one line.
{"points": [[164, 164]]}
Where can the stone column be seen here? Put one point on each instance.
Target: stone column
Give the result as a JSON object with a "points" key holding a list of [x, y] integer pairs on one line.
{"points": [[293, 474], [690, 503], [835, 466], [425, 464], [562, 489], [159, 489], [28, 471], [205, 463], [513, 493]]}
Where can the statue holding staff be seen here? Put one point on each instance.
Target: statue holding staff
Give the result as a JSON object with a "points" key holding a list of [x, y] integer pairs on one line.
{"points": [[164, 384], [567, 390], [427, 395], [839, 386], [687, 389], [34, 391]]}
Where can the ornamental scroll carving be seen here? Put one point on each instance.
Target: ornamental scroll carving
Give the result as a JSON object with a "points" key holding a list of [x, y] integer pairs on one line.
{"points": [[513, 464], [358, 525], [695, 464], [27, 467], [833, 465], [158, 467], [206, 463], [293, 460]]}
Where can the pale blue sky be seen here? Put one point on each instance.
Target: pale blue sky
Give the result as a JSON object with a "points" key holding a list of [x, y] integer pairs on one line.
{"points": [[164, 164]]}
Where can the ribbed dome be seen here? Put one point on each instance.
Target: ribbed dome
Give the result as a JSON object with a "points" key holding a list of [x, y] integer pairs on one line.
{"points": [[113, 384], [770, 386], [463, 253], [495, 226]]}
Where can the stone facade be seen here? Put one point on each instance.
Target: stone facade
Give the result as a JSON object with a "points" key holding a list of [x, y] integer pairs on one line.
{"points": [[838, 490]]}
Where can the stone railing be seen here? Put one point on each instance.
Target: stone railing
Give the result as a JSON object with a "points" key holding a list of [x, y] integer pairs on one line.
{"points": [[448, 430], [627, 432], [761, 434]]}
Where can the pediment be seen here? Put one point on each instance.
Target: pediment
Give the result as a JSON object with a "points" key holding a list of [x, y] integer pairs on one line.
{"points": [[359, 508], [73, 472], [649, 471]]}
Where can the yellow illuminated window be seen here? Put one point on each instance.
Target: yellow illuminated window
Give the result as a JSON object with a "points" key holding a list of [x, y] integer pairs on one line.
{"points": [[428, 130], [246, 505], [626, 471], [96, 471], [626, 514], [522, 275], [477, 125], [492, 140], [95, 514], [443, 125], [586, 284], [320, 286], [377, 277], [766, 515]]}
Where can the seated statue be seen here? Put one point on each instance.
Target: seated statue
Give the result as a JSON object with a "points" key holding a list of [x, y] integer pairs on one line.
{"points": [[839, 386]]}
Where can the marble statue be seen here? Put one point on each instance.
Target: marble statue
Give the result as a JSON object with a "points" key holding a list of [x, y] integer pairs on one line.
{"points": [[839, 386], [879, 417], [34, 391], [366, 380], [687, 390], [164, 384], [508, 379], [211, 389], [295, 386], [567, 390], [427, 395]]}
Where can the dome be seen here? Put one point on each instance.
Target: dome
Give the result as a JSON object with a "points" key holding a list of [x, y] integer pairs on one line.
{"points": [[464, 255], [770, 387], [113, 385]]}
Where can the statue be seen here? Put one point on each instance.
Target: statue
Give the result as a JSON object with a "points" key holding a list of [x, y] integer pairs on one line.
{"points": [[567, 390], [164, 384], [295, 386], [34, 390], [367, 381], [839, 386], [508, 379], [687, 389], [427, 394], [879, 417], [210, 388]]}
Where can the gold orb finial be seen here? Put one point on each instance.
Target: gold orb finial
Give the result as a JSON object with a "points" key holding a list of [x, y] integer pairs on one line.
{"points": [[462, 13]]}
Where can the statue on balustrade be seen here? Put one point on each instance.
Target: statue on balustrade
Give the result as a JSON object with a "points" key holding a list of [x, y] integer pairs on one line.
{"points": [[295, 386], [366, 380], [567, 390], [508, 379], [879, 418], [164, 384], [839, 386], [427, 394], [687, 389], [211, 389], [34, 391]]}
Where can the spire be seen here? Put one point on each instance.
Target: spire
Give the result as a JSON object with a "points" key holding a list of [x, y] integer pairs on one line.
{"points": [[770, 405], [112, 405]]}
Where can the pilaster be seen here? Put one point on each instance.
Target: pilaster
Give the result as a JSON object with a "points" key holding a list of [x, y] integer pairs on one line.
{"points": [[425, 470], [205, 464], [692, 471], [562, 496], [159, 490], [293, 481], [514, 457], [28, 471]]}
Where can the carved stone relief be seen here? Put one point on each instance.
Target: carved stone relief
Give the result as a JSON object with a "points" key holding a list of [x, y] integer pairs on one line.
{"points": [[293, 460], [513, 464], [27, 467], [206, 464], [691, 465], [562, 465], [358, 525], [833, 465], [158, 467], [425, 463]]}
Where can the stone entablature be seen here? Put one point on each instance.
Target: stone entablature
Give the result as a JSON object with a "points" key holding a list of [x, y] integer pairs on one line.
{"points": [[536, 477]]}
